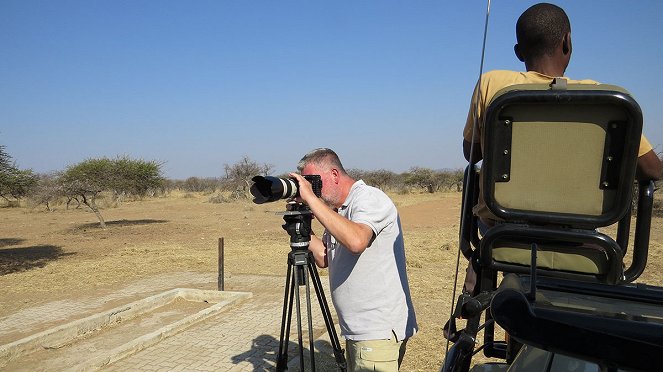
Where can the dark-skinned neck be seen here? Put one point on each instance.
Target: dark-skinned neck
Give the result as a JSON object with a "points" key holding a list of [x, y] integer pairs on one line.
{"points": [[546, 66]]}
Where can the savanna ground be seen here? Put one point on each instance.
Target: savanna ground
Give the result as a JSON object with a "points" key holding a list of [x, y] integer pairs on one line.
{"points": [[47, 256]]}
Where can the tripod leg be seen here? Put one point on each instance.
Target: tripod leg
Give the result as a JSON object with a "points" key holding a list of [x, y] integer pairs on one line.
{"points": [[310, 321], [282, 358], [326, 314], [299, 320]]}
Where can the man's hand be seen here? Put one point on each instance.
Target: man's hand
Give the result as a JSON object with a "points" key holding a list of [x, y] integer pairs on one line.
{"points": [[356, 237], [317, 247], [305, 188]]}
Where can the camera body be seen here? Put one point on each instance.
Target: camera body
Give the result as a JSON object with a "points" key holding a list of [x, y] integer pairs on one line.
{"points": [[268, 189], [316, 183]]}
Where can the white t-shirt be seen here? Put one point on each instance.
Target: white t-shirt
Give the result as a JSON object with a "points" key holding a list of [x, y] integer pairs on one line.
{"points": [[370, 290]]}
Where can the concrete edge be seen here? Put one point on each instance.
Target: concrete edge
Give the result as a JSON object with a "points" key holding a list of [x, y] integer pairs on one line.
{"points": [[64, 334], [150, 339]]}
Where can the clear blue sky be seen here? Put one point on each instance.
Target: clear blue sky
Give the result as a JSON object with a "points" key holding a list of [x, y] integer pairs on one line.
{"points": [[200, 84]]}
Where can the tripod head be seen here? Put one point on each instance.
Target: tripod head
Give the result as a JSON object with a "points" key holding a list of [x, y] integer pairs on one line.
{"points": [[297, 219]]}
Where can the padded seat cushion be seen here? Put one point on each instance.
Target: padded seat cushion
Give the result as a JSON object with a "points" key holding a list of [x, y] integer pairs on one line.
{"points": [[579, 259]]}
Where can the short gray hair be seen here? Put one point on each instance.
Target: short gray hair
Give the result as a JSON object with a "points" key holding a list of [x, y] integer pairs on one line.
{"points": [[322, 157]]}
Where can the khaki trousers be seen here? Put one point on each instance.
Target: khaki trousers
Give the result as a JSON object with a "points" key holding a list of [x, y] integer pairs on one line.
{"points": [[375, 355]]}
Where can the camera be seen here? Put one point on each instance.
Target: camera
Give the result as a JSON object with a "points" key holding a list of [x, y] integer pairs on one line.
{"points": [[268, 189]]}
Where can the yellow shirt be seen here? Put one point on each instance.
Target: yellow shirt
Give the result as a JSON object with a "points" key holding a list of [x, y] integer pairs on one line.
{"points": [[494, 81], [491, 83]]}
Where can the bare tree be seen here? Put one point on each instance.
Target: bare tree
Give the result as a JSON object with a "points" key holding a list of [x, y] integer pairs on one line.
{"points": [[238, 176], [47, 191], [196, 184]]}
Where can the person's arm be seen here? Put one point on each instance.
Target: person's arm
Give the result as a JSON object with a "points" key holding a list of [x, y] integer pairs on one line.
{"points": [[317, 247], [649, 167], [471, 131], [476, 149], [356, 237]]}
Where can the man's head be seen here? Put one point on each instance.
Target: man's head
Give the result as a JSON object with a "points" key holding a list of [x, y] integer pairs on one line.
{"points": [[335, 180], [543, 32]]}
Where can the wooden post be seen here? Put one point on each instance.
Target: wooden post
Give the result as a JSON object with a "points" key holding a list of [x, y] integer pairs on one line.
{"points": [[220, 279]]}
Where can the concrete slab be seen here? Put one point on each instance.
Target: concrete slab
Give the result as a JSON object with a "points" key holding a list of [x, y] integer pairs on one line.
{"points": [[242, 337], [83, 329]]}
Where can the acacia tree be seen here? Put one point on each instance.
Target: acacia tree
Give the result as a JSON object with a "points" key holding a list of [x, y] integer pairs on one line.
{"points": [[356, 174], [452, 178], [425, 178], [381, 178], [135, 177], [89, 178], [14, 183], [5, 160]]}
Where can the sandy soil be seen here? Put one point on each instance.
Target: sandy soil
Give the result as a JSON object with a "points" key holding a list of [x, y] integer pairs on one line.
{"points": [[46, 256]]}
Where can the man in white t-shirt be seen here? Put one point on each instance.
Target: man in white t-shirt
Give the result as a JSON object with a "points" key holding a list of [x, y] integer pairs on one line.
{"points": [[363, 247]]}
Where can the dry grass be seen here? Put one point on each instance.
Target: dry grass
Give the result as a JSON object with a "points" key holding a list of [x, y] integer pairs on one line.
{"points": [[49, 255]]}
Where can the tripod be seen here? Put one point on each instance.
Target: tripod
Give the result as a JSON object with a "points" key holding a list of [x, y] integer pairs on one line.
{"points": [[300, 265]]}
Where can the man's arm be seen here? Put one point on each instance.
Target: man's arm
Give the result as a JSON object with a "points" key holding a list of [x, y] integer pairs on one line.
{"points": [[317, 247], [649, 167], [354, 236], [467, 148]]}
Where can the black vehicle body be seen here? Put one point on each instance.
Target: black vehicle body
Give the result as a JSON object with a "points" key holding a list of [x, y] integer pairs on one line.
{"points": [[566, 297]]}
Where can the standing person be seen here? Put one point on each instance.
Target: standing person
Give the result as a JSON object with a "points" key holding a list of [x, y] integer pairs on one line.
{"points": [[363, 247], [543, 34]]}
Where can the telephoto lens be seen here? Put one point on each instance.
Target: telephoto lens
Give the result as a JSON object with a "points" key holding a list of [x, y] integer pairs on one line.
{"points": [[268, 189]]}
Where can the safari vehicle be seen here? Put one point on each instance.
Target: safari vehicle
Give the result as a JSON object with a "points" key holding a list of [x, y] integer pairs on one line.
{"points": [[559, 169]]}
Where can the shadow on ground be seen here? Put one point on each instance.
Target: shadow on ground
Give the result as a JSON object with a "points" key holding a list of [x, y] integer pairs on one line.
{"points": [[19, 259], [264, 351], [8, 242], [120, 223]]}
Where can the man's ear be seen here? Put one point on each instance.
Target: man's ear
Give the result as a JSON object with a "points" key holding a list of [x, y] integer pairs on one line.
{"points": [[335, 174], [566, 44], [519, 54]]}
